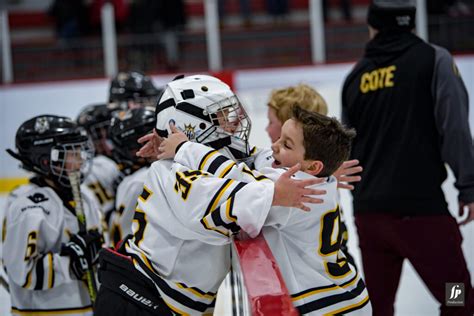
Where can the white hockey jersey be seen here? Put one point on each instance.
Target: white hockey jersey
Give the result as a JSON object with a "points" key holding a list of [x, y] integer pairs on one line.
{"points": [[306, 245], [126, 198], [37, 223], [183, 227], [102, 180], [12, 196]]}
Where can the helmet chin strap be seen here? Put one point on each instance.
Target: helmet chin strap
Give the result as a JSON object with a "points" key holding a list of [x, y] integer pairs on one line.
{"points": [[219, 143]]}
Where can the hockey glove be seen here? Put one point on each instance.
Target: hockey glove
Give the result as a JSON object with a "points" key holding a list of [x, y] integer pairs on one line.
{"points": [[75, 249], [94, 241]]}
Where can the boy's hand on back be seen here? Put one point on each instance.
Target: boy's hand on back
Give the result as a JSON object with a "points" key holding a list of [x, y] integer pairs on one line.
{"points": [[346, 173], [293, 193], [151, 143], [169, 145]]}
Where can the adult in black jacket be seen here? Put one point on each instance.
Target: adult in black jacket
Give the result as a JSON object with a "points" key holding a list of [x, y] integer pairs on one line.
{"points": [[409, 105]]}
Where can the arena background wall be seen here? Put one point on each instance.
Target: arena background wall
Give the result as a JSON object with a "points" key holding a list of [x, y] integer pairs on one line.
{"points": [[20, 102]]}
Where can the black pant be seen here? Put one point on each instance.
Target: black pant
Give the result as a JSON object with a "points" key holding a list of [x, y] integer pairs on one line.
{"points": [[125, 291], [109, 302]]}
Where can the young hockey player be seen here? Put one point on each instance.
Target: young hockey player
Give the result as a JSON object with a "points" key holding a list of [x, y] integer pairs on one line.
{"points": [[47, 252], [306, 245], [280, 107], [127, 90], [125, 130], [185, 219], [105, 173]]}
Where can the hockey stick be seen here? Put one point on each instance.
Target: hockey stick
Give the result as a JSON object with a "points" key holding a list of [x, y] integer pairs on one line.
{"points": [[4, 284], [81, 219]]}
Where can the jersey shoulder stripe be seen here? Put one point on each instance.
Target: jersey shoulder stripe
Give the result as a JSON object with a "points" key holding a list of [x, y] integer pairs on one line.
{"points": [[216, 163], [205, 158]]}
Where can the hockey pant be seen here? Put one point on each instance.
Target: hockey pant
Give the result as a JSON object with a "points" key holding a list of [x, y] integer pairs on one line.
{"points": [[133, 292]]}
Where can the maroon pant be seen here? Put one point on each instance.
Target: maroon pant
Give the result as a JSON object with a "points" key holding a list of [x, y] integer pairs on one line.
{"points": [[431, 243]]}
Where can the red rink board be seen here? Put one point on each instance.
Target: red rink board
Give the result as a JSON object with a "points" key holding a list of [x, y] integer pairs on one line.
{"points": [[266, 289]]}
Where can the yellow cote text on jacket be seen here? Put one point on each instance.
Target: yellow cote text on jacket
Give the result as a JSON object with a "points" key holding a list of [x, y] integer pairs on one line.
{"points": [[377, 79]]}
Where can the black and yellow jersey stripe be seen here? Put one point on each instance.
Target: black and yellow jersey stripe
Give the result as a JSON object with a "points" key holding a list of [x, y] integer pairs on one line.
{"points": [[218, 216], [189, 297], [353, 291], [41, 274], [217, 164], [45, 312]]}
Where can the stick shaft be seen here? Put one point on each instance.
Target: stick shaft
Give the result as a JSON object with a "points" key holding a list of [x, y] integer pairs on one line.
{"points": [[4, 284], [81, 218]]}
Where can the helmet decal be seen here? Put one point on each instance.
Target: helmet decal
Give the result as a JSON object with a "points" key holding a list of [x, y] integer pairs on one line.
{"points": [[189, 131], [41, 124]]}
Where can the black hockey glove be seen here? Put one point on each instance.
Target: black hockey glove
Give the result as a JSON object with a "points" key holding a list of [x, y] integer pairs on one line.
{"points": [[75, 249], [94, 241]]}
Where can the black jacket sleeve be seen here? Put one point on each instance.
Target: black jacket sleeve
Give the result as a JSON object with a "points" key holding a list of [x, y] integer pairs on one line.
{"points": [[451, 111]]}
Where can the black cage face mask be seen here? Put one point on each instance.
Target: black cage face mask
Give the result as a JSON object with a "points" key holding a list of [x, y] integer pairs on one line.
{"points": [[70, 157]]}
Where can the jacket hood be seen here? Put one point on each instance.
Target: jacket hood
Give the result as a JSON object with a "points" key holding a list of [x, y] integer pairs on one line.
{"points": [[388, 45]]}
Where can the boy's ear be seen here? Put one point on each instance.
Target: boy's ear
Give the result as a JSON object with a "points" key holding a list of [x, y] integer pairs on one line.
{"points": [[315, 167]]}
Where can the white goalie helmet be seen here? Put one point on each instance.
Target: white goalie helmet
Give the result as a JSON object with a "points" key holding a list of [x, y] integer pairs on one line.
{"points": [[208, 112]]}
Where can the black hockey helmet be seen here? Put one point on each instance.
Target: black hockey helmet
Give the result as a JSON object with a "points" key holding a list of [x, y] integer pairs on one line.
{"points": [[95, 118], [51, 146], [126, 129], [133, 89]]}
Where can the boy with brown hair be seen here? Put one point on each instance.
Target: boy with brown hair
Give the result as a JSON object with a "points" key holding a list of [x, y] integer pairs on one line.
{"points": [[280, 106], [306, 245]]}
